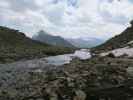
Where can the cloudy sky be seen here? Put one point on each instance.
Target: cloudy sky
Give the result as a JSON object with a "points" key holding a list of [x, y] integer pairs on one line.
{"points": [[67, 18]]}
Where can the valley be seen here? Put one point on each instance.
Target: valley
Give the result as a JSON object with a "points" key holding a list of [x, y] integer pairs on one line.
{"points": [[101, 73], [66, 50]]}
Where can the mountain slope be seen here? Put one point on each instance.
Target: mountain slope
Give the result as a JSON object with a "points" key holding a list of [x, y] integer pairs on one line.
{"points": [[118, 41], [14, 45], [85, 43], [52, 40]]}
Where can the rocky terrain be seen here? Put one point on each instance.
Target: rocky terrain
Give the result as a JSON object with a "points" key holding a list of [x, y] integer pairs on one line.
{"points": [[103, 78]]}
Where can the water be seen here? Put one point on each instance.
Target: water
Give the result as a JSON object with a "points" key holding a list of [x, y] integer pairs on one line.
{"points": [[82, 54], [37, 64]]}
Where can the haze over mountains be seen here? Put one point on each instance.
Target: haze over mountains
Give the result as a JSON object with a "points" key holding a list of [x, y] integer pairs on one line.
{"points": [[87, 42]]}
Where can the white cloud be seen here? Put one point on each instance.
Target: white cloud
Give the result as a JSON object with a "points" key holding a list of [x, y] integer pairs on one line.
{"points": [[68, 18], [4, 4]]}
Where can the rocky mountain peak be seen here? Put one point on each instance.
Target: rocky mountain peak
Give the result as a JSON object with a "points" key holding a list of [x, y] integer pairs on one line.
{"points": [[45, 37]]}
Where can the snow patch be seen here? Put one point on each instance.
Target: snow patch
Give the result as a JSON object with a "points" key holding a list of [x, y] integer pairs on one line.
{"points": [[82, 54], [120, 52]]}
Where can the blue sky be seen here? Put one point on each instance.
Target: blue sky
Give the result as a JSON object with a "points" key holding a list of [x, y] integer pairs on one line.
{"points": [[68, 18]]}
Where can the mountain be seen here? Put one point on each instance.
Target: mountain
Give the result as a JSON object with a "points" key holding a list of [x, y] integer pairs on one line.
{"points": [[43, 36], [14, 45], [98, 78], [85, 42], [119, 41]]}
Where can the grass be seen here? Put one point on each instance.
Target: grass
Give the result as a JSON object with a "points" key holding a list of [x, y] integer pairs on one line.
{"points": [[14, 46]]}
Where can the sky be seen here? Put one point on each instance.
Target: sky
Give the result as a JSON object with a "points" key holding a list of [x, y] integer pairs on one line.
{"points": [[67, 18]]}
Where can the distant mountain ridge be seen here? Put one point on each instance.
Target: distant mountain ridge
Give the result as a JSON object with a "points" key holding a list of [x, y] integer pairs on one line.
{"points": [[87, 42], [44, 37], [119, 41]]}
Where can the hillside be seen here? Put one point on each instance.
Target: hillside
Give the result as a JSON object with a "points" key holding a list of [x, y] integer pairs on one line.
{"points": [[118, 41], [44, 37], [14, 45], [85, 42]]}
